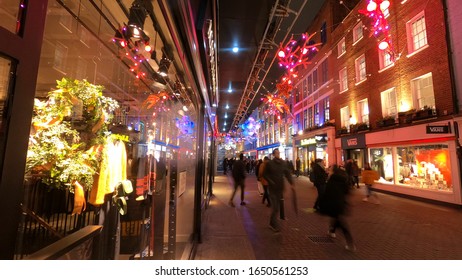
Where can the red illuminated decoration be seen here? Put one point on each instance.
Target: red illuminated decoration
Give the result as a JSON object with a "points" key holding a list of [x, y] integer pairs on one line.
{"points": [[276, 106], [296, 53], [291, 55], [132, 52], [156, 100], [375, 12]]}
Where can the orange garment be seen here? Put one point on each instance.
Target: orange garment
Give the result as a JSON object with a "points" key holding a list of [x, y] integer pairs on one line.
{"points": [[261, 170], [369, 176], [113, 170]]}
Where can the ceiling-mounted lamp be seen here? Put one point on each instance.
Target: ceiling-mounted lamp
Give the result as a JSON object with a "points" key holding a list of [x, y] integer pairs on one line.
{"points": [[164, 64], [137, 15]]}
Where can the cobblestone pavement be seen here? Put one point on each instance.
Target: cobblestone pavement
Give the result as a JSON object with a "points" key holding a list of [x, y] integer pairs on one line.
{"points": [[396, 229]]}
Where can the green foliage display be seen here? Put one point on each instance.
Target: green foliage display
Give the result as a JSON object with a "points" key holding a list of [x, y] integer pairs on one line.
{"points": [[69, 128]]}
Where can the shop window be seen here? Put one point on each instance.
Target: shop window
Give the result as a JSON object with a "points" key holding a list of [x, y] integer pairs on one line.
{"points": [[382, 162], [389, 102], [422, 92], [12, 16], [341, 47], [343, 79], [425, 167], [60, 57], [416, 33]]}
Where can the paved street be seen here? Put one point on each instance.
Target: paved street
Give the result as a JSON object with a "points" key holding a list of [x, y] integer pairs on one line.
{"points": [[397, 229]]}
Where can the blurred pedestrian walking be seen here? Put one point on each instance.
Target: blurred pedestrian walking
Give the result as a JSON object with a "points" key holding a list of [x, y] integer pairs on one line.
{"points": [[318, 177], [275, 171], [239, 174], [335, 204], [368, 177]]}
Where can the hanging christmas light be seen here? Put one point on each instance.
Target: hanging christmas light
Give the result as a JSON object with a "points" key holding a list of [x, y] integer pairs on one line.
{"points": [[375, 11]]}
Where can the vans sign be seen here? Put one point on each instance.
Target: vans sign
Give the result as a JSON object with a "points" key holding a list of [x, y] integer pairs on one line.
{"points": [[437, 129], [357, 141]]}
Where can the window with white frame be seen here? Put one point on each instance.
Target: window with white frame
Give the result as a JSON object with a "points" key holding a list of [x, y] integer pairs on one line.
{"points": [[385, 59], [363, 111], [326, 109], [345, 116], [416, 33], [343, 79], [422, 91], [389, 102], [59, 62], [316, 113], [310, 117], [341, 47], [360, 67], [305, 118], [357, 32]]}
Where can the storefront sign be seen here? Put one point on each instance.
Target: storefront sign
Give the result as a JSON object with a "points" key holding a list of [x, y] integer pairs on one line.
{"points": [[437, 129], [309, 141], [354, 142]]}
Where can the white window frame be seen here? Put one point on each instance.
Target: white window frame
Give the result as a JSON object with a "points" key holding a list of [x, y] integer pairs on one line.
{"points": [[360, 69], [363, 111], [358, 32], [389, 102], [345, 117], [341, 47], [420, 89], [385, 61], [343, 79], [416, 33]]}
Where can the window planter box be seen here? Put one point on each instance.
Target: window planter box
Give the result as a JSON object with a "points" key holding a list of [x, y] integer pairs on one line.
{"points": [[386, 122], [424, 114]]}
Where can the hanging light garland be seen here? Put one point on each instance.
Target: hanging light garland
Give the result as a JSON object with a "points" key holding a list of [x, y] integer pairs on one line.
{"points": [[375, 11]]}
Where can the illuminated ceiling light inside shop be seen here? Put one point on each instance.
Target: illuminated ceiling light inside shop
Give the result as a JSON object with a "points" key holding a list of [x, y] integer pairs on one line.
{"points": [[164, 64], [226, 116], [235, 50], [137, 16], [227, 106]]}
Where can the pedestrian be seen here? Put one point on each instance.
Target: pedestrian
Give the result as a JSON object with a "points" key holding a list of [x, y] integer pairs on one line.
{"points": [[298, 164], [318, 177], [225, 165], [259, 184], [238, 173], [368, 177], [334, 204], [263, 181], [274, 172], [355, 172]]}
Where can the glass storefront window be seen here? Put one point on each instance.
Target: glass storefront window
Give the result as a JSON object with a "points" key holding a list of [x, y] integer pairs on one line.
{"points": [[11, 14], [382, 161], [5, 75], [424, 167]]}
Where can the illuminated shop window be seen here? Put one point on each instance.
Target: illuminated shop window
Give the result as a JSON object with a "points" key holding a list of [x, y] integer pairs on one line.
{"points": [[382, 162], [424, 167]]}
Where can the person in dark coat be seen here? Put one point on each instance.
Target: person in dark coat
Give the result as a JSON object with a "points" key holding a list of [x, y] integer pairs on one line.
{"points": [[238, 172], [298, 166], [335, 204], [274, 172], [318, 177]]}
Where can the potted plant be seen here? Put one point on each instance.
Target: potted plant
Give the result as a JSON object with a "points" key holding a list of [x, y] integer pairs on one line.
{"points": [[424, 113], [386, 121], [343, 130]]}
